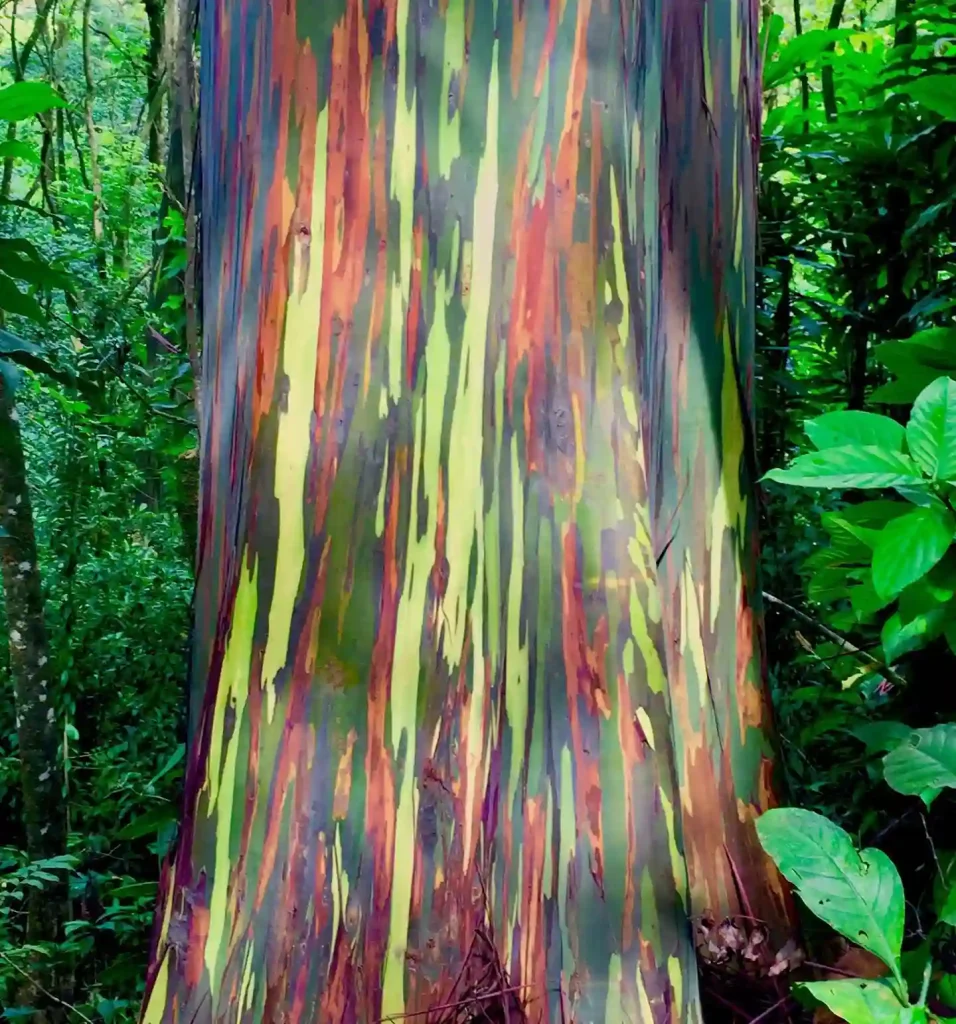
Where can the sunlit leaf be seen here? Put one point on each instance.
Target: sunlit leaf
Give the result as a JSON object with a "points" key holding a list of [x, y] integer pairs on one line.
{"points": [[857, 892], [24, 99]]}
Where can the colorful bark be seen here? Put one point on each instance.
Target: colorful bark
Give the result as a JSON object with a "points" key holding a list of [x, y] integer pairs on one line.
{"points": [[698, 123], [431, 682]]}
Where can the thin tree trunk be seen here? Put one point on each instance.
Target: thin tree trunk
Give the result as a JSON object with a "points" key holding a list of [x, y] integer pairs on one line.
{"points": [[155, 18], [37, 727], [188, 114], [804, 77], [96, 184], [829, 92]]}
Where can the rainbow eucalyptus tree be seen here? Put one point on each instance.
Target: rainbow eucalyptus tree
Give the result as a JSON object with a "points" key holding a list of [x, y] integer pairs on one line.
{"points": [[452, 302], [692, 188]]}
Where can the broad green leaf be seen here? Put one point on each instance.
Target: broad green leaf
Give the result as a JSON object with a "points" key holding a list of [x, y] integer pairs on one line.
{"points": [[864, 599], [134, 890], [24, 99], [850, 466], [944, 889], [946, 993], [925, 760], [857, 892], [905, 390], [13, 149], [941, 339], [881, 736], [805, 48], [909, 547], [12, 300], [10, 344], [872, 514], [931, 431], [24, 262], [924, 351], [858, 1000], [149, 823], [899, 636], [851, 426], [937, 92]]}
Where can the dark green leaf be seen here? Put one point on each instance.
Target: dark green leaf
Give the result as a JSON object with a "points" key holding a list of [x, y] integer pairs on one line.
{"points": [[12, 300], [16, 149], [149, 823], [937, 92], [135, 890], [879, 737]]}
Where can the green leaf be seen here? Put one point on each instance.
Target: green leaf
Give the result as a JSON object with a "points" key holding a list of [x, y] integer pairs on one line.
{"points": [[944, 888], [850, 466], [24, 262], [937, 92], [925, 760], [24, 99], [900, 637], [13, 149], [149, 823], [135, 890], [905, 390], [858, 1001], [802, 49], [12, 300], [835, 429], [946, 993], [909, 547], [931, 431], [857, 892], [927, 351], [10, 344], [171, 762], [881, 736]]}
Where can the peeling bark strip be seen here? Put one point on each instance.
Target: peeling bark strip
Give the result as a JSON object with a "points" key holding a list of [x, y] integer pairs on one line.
{"points": [[440, 238]]}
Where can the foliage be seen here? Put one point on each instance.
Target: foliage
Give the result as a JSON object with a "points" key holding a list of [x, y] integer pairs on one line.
{"points": [[104, 403], [860, 894]]}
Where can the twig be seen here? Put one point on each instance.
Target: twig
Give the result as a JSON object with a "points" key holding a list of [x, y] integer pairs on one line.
{"points": [[145, 399], [830, 970], [766, 1013], [453, 1006], [932, 847], [40, 988], [842, 641]]}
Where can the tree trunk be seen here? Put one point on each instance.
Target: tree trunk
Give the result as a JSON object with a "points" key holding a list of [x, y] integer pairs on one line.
{"points": [[431, 750], [155, 18], [96, 183], [37, 727], [695, 265]]}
